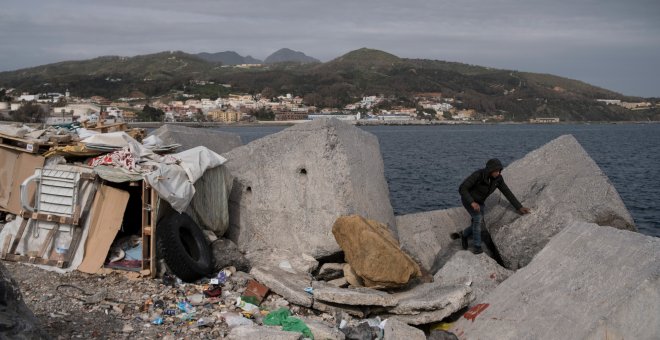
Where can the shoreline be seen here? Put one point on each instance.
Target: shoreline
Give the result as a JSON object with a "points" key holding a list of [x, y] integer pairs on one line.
{"points": [[367, 123]]}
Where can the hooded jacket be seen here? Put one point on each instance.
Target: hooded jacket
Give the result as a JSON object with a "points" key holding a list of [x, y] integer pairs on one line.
{"points": [[479, 185]]}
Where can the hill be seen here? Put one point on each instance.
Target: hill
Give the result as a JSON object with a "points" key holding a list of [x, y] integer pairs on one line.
{"points": [[228, 58], [513, 94], [286, 55]]}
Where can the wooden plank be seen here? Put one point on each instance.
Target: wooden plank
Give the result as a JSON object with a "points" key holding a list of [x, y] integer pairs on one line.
{"points": [[29, 259], [48, 217], [5, 247], [49, 238], [77, 233], [152, 236], [19, 235]]}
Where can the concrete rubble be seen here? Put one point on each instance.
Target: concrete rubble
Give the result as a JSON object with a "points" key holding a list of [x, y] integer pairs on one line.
{"points": [[559, 182], [395, 330], [480, 272], [589, 282], [373, 253], [291, 186]]}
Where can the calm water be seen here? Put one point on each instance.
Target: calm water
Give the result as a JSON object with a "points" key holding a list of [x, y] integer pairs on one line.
{"points": [[425, 164]]}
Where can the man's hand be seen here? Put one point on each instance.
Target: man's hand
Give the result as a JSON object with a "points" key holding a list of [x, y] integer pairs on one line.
{"points": [[523, 210], [475, 206]]}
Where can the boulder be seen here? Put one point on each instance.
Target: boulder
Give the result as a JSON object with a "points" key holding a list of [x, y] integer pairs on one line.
{"points": [[395, 330], [261, 333], [225, 253], [218, 141], [559, 182], [480, 272], [373, 252], [16, 319], [290, 286], [426, 235], [352, 296], [589, 282], [291, 186]]}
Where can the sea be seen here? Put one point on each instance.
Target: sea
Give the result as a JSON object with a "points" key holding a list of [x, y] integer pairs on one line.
{"points": [[424, 164]]}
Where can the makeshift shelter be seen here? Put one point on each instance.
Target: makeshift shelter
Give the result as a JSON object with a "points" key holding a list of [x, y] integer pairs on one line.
{"points": [[69, 216]]}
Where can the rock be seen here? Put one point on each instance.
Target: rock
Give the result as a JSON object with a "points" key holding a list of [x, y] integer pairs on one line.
{"points": [[288, 285], [432, 297], [395, 330], [262, 333], [352, 296], [16, 319], [323, 331], [283, 259], [589, 282], [352, 277], [340, 282], [426, 235], [559, 182], [361, 331], [481, 271], [218, 141], [373, 252], [291, 186], [330, 271], [226, 253], [127, 328]]}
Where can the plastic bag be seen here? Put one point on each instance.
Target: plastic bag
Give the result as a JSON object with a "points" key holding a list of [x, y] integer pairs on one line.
{"points": [[276, 317], [292, 324]]}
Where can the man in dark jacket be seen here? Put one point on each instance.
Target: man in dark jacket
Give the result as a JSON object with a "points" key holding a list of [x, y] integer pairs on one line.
{"points": [[474, 191]]}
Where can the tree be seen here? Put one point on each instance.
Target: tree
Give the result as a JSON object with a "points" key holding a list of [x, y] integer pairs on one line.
{"points": [[30, 113], [151, 114]]}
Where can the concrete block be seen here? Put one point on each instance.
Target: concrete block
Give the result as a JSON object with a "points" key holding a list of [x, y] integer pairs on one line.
{"points": [[559, 182], [481, 272], [431, 297], [395, 330], [323, 331], [283, 259], [330, 271], [425, 235], [291, 186], [589, 282], [218, 141]]}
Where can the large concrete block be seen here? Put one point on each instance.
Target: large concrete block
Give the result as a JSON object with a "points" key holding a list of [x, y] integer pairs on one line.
{"points": [[481, 272], [559, 182], [589, 282], [291, 186], [218, 141], [426, 235], [397, 330]]}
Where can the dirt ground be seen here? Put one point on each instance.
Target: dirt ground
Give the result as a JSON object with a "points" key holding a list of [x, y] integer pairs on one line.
{"points": [[114, 305]]}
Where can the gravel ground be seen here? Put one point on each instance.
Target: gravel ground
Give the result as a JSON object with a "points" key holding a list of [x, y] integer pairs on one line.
{"points": [[118, 305]]}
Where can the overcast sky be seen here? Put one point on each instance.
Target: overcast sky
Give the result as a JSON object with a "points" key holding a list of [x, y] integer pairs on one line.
{"points": [[614, 44]]}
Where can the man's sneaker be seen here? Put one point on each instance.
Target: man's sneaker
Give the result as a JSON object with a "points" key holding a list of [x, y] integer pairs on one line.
{"points": [[477, 251], [464, 241]]}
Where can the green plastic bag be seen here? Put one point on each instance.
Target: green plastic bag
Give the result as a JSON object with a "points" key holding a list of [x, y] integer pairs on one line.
{"points": [[292, 324], [277, 317]]}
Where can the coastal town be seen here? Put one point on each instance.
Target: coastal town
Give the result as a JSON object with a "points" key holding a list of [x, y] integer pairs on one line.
{"points": [[66, 108]]}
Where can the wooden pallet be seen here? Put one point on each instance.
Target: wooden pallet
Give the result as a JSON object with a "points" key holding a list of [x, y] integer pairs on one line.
{"points": [[149, 217], [23, 145]]}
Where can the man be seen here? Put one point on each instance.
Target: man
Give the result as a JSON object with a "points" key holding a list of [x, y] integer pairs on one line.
{"points": [[474, 191]]}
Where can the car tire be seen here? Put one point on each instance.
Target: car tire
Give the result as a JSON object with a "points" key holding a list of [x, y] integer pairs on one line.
{"points": [[183, 246]]}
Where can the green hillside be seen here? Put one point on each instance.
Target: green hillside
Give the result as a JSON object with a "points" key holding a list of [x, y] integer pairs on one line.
{"points": [[516, 95]]}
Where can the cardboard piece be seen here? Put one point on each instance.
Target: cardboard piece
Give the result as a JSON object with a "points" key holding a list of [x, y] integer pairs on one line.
{"points": [[107, 215], [15, 167]]}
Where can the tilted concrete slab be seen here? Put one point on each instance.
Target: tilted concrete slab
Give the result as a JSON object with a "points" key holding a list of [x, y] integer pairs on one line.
{"points": [[481, 272], [291, 186], [589, 282], [218, 141], [426, 235], [352, 296], [432, 297], [559, 182], [290, 286]]}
